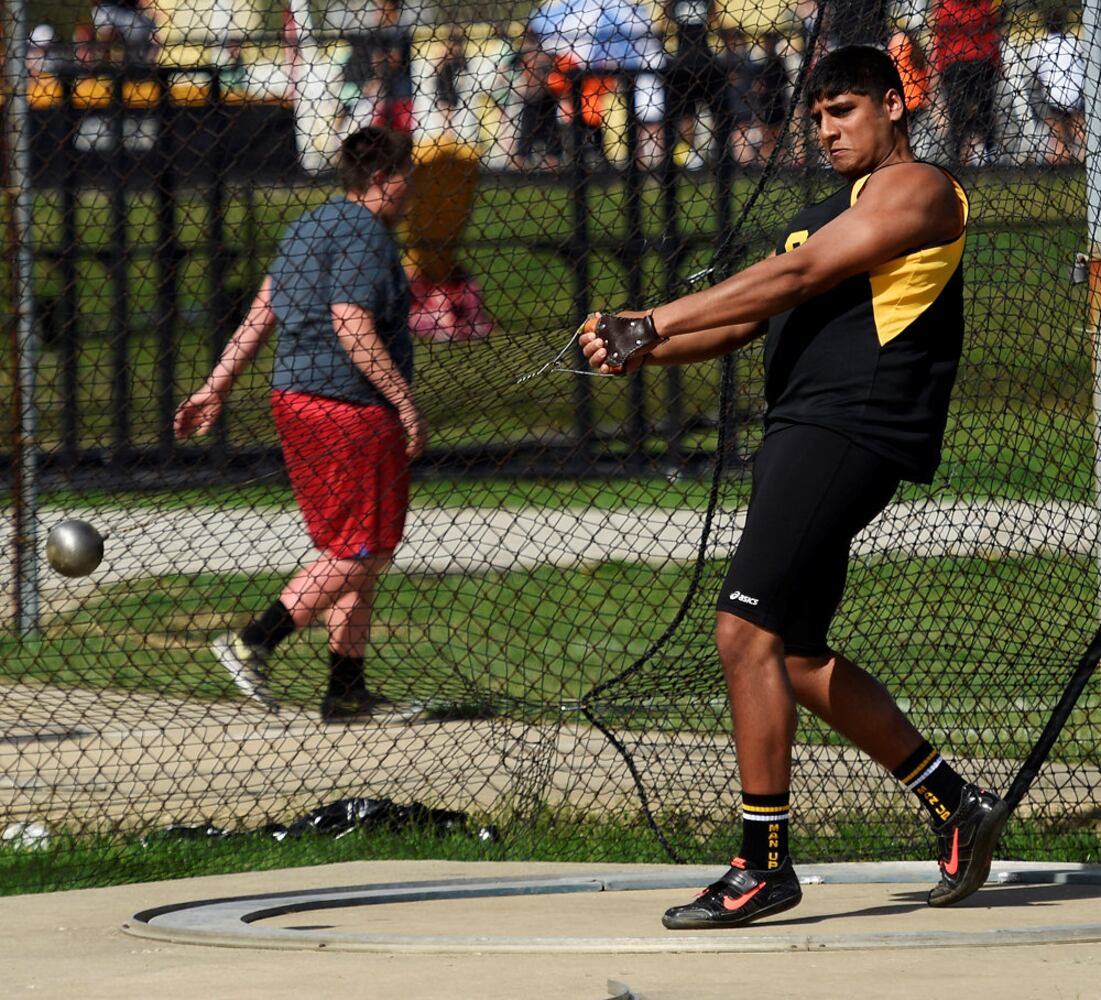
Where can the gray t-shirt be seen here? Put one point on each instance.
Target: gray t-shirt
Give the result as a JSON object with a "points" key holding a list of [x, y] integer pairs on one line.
{"points": [[337, 253]]}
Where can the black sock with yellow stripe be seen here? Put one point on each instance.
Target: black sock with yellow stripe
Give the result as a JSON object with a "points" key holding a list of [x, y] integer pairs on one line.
{"points": [[764, 830], [929, 776]]}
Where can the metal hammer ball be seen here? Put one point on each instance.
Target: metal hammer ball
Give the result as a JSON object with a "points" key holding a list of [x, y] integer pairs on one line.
{"points": [[74, 548]]}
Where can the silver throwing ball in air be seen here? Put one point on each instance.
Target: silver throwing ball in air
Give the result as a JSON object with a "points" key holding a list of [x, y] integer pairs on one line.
{"points": [[74, 548]]}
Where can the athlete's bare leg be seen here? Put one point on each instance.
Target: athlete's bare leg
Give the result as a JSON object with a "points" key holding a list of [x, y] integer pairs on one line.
{"points": [[762, 703], [854, 704], [764, 687]]}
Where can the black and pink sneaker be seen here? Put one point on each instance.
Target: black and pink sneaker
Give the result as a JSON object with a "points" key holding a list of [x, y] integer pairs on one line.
{"points": [[741, 896], [966, 843]]}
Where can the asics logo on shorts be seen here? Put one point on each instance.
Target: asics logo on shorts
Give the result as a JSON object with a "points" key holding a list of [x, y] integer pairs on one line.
{"points": [[744, 598]]}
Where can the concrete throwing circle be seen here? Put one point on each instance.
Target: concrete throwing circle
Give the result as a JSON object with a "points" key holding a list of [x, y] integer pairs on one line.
{"points": [[844, 908]]}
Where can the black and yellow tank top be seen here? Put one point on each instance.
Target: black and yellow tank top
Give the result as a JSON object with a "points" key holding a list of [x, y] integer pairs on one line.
{"points": [[875, 357]]}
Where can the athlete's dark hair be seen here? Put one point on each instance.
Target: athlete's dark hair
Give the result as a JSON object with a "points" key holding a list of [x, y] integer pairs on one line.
{"points": [[854, 69], [369, 150]]}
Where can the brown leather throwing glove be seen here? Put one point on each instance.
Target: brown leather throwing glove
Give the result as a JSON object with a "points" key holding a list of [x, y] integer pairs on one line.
{"points": [[624, 337]]}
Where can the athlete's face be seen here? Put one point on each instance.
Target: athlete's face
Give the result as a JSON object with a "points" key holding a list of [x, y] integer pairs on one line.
{"points": [[857, 132]]}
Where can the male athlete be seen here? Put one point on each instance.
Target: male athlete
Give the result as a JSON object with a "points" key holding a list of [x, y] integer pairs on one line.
{"points": [[862, 303]]}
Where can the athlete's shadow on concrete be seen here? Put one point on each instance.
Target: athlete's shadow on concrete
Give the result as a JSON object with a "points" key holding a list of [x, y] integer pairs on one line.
{"points": [[993, 897]]}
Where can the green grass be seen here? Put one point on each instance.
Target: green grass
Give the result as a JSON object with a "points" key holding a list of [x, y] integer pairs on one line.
{"points": [[68, 863], [84, 862], [518, 636], [977, 648], [679, 494]]}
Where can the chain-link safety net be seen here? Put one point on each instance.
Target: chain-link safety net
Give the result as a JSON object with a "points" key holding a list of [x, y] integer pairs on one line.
{"points": [[540, 675]]}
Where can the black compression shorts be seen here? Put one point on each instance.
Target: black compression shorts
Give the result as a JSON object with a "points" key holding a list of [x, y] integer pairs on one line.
{"points": [[813, 491]]}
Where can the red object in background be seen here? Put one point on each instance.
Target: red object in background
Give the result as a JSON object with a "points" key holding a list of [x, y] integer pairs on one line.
{"points": [[450, 310], [965, 31], [395, 113], [348, 470], [594, 90]]}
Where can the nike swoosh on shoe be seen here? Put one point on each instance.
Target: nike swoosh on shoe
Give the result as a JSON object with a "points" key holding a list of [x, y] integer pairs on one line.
{"points": [[953, 863], [745, 897]]}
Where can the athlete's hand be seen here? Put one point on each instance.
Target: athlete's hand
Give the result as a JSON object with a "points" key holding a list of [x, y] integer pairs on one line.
{"points": [[199, 412], [415, 434], [596, 351]]}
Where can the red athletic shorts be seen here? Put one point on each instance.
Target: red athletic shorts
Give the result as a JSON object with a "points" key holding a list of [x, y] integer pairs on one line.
{"points": [[348, 469]]}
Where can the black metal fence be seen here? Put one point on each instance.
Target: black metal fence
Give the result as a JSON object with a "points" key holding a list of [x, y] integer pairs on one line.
{"points": [[171, 142]]}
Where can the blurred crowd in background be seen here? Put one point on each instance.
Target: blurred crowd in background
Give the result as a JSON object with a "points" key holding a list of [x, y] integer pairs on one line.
{"points": [[577, 76]]}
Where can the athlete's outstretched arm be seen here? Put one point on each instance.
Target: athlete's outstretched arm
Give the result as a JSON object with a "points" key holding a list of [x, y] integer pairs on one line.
{"points": [[700, 345], [905, 206]]}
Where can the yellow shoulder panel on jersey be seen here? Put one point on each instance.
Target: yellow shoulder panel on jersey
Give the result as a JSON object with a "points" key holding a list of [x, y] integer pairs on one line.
{"points": [[903, 288]]}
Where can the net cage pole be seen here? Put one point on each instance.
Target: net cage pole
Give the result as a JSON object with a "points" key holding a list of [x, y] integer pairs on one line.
{"points": [[24, 347], [1091, 36]]}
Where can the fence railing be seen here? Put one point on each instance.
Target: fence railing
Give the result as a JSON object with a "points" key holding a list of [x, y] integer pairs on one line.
{"points": [[121, 162]]}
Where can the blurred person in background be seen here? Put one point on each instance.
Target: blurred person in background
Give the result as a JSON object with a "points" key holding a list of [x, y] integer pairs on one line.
{"points": [[798, 21], [756, 93], [535, 107], [770, 95], [130, 26], [42, 55], [1058, 68], [44, 89], [448, 75], [965, 53], [695, 81], [380, 66], [648, 96], [233, 74], [740, 73], [343, 406], [905, 49], [386, 97], [628, 42], [395, 36], [89, 54]]}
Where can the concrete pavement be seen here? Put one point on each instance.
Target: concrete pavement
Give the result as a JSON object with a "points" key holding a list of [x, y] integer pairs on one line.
{"points": [[72, 944]]}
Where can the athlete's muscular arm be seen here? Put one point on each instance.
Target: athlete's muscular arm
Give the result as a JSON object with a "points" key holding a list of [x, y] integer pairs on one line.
{"points": [[700, 345], [704, 345], [904, 206], [355, 326]]}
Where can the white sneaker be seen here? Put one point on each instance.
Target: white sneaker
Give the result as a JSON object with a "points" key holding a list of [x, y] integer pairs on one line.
{"points": [[245, 665]]}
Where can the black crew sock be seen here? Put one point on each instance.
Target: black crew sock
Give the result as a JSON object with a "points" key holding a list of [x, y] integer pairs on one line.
{"points": [[764, 830], [345, 674], [271, 628], [929, 776]]}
